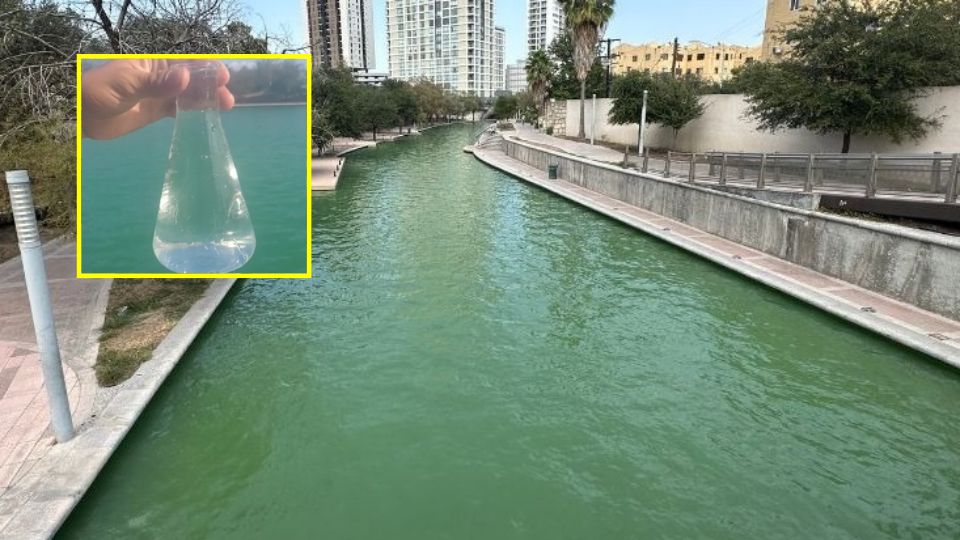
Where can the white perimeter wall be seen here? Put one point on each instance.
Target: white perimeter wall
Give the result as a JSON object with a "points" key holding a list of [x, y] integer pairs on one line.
{"points": [[724, 126]]}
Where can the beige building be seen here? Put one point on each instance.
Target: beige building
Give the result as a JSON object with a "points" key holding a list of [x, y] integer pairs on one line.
{"points": [[710, 62], [781, 14]]}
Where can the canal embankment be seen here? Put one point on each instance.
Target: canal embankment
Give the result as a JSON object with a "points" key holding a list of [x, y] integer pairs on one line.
{"points": [[896, 281], [326, 169], [44, 494]]}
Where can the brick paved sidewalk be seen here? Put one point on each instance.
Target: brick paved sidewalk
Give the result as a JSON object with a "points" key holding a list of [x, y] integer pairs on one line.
{"points": [[25, 432]]}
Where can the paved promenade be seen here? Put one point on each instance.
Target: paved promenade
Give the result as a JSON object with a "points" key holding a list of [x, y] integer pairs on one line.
{"points": [[25, 433]]}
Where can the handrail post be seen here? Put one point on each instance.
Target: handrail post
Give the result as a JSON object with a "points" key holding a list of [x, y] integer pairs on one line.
{"points": [[954, 181], [811, 163], [742, 173], [935, 174], [723, 169], [872, 182], [646, 159], [762, 177], [693, 168], [666, 168]]}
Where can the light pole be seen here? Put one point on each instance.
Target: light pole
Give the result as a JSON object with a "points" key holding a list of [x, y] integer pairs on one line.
{"points": [[35, 276], [643, 122], [593, 130]]}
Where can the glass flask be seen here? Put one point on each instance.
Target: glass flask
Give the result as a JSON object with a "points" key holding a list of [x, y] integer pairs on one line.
{"points": [[203, 226]]}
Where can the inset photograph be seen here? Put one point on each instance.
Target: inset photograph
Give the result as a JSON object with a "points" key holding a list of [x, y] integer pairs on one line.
{"points": [[193, 166]]}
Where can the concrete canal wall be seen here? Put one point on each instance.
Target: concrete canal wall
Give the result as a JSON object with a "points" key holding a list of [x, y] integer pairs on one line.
{"points": [[916, 267]]}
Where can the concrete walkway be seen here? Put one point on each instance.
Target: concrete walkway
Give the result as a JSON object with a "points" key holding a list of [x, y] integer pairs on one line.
{"points": [[914, 327], [25, 434]]}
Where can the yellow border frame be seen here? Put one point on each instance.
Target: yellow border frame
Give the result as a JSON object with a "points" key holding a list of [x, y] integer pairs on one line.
{"points": [[302, 57]]}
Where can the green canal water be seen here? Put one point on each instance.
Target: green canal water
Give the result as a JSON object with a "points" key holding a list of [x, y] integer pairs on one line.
{"points": [[478, 359], [123, 179]]}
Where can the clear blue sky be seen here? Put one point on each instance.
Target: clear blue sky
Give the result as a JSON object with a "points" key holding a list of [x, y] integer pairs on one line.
{"points": [[636, 21]]}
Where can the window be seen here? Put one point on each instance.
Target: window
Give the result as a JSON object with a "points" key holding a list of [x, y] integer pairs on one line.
{"points": [[636, 58], [794, 5], [701, 56], [647, 57]]}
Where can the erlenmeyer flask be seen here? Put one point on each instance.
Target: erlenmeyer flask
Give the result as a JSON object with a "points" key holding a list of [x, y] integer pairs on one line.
{"points": [[203, 226]]}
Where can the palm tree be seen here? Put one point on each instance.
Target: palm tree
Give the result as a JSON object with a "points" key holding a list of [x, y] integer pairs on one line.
{"points": [[539, 74], [586, 20]]}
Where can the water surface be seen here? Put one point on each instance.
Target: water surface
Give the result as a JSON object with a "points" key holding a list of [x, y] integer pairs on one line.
{"points": [[477, 358], [123, 179]]}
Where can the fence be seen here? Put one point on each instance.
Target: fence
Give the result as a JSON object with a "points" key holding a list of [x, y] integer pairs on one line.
{"points": [[906, 175]]}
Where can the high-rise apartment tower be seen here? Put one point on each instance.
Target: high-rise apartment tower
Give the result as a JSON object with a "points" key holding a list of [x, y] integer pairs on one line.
{"points": [[449, 42], [341, 33], [545, 21]]}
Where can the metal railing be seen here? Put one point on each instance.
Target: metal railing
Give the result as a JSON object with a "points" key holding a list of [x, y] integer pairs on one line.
{"points": [[904, 175]]}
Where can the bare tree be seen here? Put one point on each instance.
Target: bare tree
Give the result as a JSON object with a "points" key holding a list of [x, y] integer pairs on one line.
{"points": [[173, 26]]}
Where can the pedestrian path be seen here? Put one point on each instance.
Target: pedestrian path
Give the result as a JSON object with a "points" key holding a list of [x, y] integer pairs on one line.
{"points": [[25, 432]]}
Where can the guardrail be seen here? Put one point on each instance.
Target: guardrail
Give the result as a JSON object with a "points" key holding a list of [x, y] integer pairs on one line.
{"points": [[899, 175]]}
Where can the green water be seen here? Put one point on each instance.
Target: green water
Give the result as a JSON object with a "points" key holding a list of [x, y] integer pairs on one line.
{"points": [[478, 359], [123, 181]]}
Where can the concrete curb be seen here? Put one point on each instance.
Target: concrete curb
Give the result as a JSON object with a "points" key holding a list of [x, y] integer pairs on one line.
{"points": [[892, 330], [37, 506]]}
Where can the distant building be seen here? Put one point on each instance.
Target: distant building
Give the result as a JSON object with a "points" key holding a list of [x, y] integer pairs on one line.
{"points": [[499, 69], [370, 78], [545, 21], [517, 77], [781, 14], [341, 33], [713, 63], [449, 43]]}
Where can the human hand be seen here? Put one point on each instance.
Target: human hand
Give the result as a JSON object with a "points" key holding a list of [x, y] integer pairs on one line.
{"points": [[122, 96]]}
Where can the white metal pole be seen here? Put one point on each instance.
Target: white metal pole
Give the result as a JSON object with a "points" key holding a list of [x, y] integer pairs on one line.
{"points": [[593, 132], [643, 123], [35, 275]]}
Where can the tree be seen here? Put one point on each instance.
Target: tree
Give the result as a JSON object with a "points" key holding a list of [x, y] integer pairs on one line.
{"points": [[321, 130], [539, 74], [527, 108], [564, 84], [505, 107], [173, 26], [671, 102], [38, 50], [856, 68], [586, 20], [405, 99], [334, 93], [375, 108], [430, 100]]}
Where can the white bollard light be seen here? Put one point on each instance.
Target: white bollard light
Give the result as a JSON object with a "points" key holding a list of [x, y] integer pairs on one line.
{"points": [[35, 275]]}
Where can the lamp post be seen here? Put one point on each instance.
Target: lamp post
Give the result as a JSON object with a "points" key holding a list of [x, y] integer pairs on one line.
{"points": [[609, 61], [35, 276], [643, 122]]}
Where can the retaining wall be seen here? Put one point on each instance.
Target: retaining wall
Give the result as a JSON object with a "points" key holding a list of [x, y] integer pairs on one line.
{"points": [[725, 127], [916, 267]]}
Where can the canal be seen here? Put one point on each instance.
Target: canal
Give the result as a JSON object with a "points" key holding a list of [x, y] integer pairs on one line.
{"points": [[476, 358]]}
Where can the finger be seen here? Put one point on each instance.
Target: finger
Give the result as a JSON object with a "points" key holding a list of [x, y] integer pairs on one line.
{"points": [[164, 84], [223, 75], [144, 113], [225, 98]]}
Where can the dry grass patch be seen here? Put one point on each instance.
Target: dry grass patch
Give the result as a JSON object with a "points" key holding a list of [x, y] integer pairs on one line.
{"points": [[140, 313]]}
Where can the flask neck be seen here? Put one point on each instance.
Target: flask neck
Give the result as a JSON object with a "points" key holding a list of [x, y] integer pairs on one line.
{"points": [[202, 91]]}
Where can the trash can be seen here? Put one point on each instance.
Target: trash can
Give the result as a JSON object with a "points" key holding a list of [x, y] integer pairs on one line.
{"points": [[552, 171]]}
